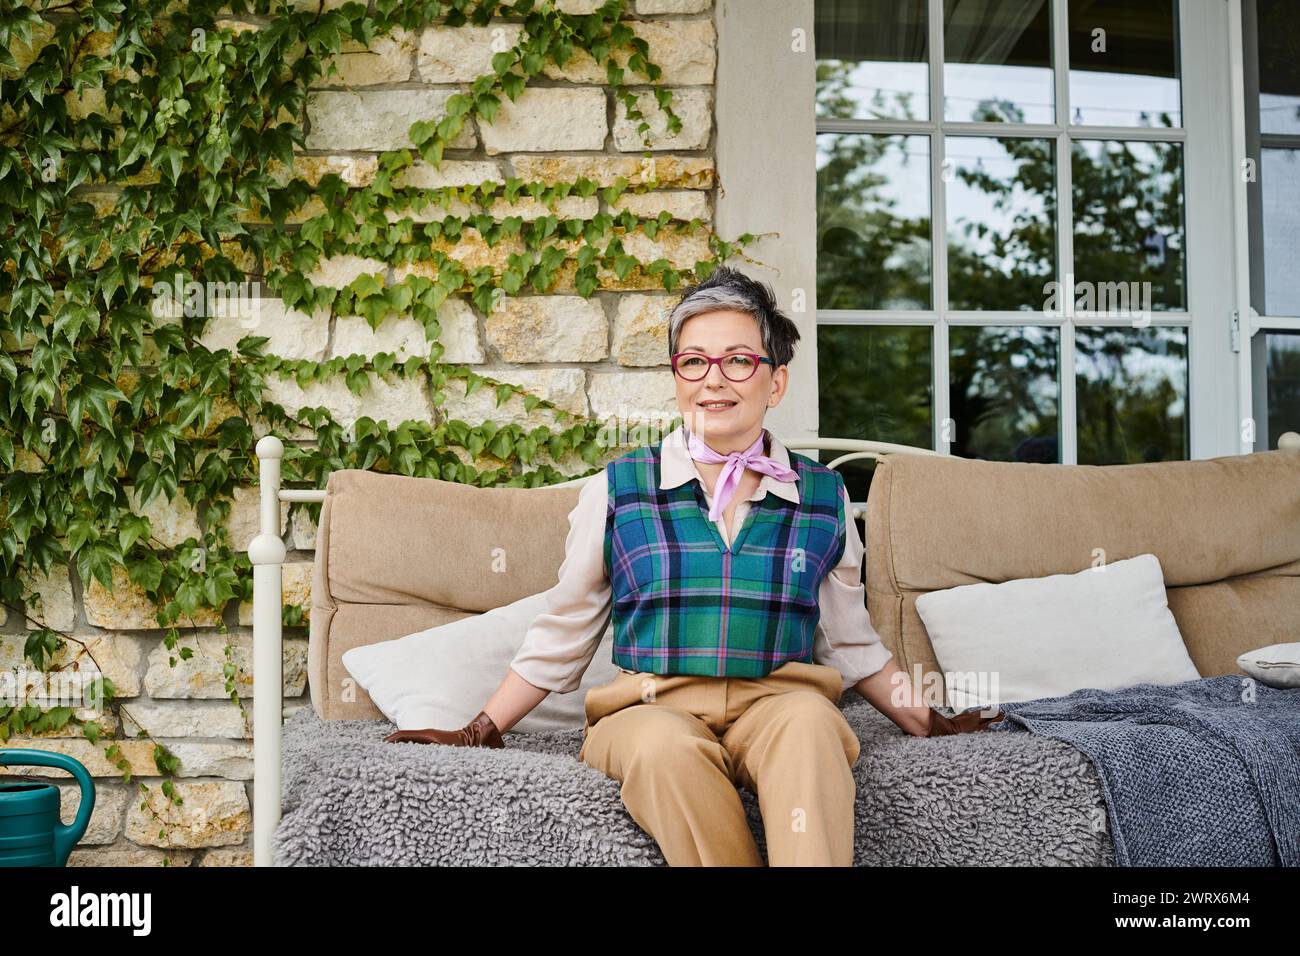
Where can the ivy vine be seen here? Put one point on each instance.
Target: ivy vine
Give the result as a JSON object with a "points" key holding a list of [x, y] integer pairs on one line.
{"points": [[189, 117]]}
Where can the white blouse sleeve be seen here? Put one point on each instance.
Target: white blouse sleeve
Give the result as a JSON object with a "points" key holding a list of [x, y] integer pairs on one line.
{"points": [[561, 642], [845, 638]]}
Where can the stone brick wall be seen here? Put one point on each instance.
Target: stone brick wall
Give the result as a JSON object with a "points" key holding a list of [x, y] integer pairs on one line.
{"points": [[604, 356]]}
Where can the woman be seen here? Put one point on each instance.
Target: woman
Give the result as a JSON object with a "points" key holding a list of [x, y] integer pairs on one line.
{"points": [[731, 568]]}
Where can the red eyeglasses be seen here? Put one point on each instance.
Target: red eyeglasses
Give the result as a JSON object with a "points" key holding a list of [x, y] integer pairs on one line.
{"points": [[736, 366]]}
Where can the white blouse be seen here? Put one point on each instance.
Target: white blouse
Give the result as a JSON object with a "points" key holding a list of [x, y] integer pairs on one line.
{"points": [[560, 643]]}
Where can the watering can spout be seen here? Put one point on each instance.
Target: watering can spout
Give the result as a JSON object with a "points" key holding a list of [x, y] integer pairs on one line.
{"points": [[31, 833]]}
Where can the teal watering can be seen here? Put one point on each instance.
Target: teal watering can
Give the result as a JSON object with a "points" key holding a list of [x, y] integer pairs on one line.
{"points": [[30, 831]]}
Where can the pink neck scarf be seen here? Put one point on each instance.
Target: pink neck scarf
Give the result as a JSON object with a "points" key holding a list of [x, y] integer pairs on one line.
{"points": [[736, 463]]}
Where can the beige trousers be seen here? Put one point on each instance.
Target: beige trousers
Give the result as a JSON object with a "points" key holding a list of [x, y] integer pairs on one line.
{"points": [[681, 743]]}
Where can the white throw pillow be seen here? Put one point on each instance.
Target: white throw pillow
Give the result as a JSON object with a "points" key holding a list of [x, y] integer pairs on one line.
{"points": [[1106, 627], [442, 676], [1277, 665]]}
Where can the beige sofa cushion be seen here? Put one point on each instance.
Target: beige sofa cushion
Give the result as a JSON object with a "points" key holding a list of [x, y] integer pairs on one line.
{"points": [[396, 555], [1226, 531]]}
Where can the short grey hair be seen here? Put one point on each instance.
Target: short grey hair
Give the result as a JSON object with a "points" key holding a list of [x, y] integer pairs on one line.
{"points": [[728, 289]]}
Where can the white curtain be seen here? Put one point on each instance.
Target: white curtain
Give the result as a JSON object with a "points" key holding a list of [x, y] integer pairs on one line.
{"points": [[986, 31], [873, 30]]}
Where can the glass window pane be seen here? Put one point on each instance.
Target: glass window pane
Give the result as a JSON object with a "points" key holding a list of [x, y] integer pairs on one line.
{"points": [[1124, 64], [1280, 383], [1279, 65], [875, 382], [873, 221], [1001, 211], [998, 61], [1004, 392], [1128, 225], [1131, 394], [1279, 179], [872, 59]]}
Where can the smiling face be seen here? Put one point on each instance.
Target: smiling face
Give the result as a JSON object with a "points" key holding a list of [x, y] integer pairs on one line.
{"points": [[737, 426]]}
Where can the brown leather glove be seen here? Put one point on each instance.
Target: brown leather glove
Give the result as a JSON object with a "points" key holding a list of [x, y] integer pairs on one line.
{"points": [[967, 722], [479, 732]]}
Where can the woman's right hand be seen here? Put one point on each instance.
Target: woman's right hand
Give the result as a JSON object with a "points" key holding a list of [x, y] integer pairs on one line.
{"points": [[967, 722], [479, 732]]}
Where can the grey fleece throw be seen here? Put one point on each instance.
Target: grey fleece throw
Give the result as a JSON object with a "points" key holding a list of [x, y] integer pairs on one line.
{"points": [[350, 799], [1202, 773]]}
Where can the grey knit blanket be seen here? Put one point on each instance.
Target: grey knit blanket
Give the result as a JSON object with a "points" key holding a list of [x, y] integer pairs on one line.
{"points": [[349, 799], [1202, 773]]}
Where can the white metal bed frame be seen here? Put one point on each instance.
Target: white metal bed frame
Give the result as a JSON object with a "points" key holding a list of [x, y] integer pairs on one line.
{"points": [[266, 552]]}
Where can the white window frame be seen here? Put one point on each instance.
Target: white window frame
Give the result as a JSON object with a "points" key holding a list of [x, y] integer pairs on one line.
{"points": [[1249, 251], [1207, 218]]}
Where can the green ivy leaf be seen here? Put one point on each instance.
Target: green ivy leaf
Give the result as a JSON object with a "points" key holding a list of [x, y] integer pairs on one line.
{"points": [[486, 106], [171, 160], [513, 84], [97, 560], [146, 572], [130, 529], [357, 381], [623, 266], [502, 445]]}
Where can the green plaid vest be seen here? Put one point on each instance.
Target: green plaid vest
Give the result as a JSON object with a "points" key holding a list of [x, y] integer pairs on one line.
{"points": [[685, 604]]}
